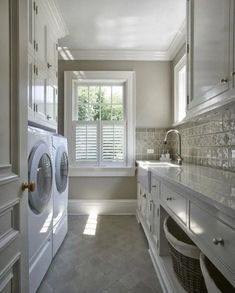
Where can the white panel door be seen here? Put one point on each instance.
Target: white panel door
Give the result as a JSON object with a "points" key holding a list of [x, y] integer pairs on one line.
{"points": [[13, 146]]}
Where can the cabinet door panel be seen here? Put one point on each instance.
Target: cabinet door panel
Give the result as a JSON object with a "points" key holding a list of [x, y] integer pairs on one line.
{"points": [[155, 222], [149, 211], [31, 10], [51, 101], [51, 51], [39, 92], [40, 34], [210, 229], [30, 91], [210, 31]]}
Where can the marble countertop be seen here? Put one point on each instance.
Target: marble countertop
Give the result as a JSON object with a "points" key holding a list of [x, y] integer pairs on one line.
{"points": [[216, 187]]}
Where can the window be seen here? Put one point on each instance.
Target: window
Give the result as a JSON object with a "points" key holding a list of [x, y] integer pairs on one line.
{"points": [[180, 90], [99, 123], [100, 118]]}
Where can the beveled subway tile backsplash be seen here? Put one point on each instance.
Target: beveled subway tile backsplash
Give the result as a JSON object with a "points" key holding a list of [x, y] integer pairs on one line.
{"points": [[152, 138], [210, 141]]}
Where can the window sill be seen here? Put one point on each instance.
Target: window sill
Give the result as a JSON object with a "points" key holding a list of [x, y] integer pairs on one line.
{"points": [[102, 172]]}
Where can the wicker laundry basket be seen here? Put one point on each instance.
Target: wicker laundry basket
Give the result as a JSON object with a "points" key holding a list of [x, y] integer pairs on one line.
{"points": [[185, 257], [215, 281]]}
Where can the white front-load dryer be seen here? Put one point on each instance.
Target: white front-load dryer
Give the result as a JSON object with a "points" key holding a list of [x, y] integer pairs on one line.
{"points": [[60, 190], [40, 205]]}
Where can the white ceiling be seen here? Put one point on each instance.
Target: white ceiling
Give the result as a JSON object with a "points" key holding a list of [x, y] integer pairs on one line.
{"points": [[122, 25]]}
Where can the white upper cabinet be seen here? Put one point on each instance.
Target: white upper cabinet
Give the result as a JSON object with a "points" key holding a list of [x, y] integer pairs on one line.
{"points": [[31, 14], [52, 54], [40, 28], [210, 54], [45, 27], [51, 101]]}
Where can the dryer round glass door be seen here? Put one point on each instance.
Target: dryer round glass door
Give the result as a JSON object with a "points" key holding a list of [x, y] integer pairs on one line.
{"points": [[40, 172], [61, 169]]}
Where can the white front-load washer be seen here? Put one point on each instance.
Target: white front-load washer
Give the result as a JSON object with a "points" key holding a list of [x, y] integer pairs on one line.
{"points": [[40, 205], [60, 190]]}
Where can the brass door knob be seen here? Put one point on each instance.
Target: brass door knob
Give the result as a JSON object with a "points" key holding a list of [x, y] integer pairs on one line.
{"points": [[31, 186]]}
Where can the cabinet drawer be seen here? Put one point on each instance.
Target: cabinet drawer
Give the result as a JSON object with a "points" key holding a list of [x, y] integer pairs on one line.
{"points": [[176, 202], [215, 234]]}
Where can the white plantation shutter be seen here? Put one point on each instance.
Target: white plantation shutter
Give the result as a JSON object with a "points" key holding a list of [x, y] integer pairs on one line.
{"points": [[113, 136], [86, 142]]}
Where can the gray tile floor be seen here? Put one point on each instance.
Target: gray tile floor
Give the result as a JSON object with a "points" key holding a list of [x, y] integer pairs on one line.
{"points": [[115, 260]]}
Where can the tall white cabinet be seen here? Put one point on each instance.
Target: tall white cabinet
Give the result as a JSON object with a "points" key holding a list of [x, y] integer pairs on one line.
{"points": [[45, 27]]}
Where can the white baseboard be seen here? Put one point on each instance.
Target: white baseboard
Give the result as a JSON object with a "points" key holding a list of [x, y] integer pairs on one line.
{"points": [[102, 207]]}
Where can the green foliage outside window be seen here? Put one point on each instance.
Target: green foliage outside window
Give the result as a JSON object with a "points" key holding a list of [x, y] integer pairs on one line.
{"points": [[100, 103]]}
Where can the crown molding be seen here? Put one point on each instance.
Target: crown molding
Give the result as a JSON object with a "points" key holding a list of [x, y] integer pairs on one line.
{"points": [[178, 41], [73, 54], [128, 55], [52, 10]]}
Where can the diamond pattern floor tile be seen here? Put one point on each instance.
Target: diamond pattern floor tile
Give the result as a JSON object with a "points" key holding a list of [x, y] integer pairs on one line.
{"points": [[114, 260]]}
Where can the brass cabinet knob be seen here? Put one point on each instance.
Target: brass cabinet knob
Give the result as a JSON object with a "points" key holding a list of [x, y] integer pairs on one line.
{"points": [[31, 186]]}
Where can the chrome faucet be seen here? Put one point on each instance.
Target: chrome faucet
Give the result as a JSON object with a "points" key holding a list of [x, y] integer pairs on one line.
{"points": [[178, 154]]}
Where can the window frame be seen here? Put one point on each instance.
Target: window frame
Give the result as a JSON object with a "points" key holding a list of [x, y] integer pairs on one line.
{"points": [[126, 77], [177, 68]]}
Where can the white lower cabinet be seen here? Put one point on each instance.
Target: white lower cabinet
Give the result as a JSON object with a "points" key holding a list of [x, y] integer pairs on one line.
{"points": [[215, 234], [148, 207], [155, 223], [212, 231], [174, 201], [149, 211], [142, 200]]}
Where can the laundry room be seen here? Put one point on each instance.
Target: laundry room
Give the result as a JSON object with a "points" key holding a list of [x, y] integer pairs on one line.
{"points": [[117, 153]]}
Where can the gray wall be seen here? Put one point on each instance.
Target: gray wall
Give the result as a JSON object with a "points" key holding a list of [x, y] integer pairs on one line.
{"points": [[102, 188], [153, 88], [153, 104]]}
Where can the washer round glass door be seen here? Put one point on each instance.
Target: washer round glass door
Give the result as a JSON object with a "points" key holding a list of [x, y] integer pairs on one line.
{"points": [[40, 172], [61, 169]]}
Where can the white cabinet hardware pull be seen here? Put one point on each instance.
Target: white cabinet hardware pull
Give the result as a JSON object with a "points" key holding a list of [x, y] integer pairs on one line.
{"points": [[154, 186], [219, 241]]}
